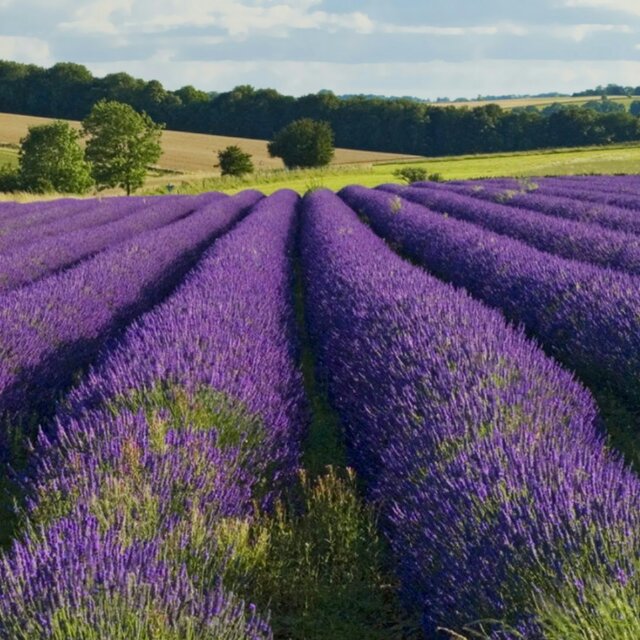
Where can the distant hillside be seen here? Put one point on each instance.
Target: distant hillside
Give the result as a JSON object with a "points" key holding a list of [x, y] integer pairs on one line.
{"points": [[186, 152], [534, 101]]}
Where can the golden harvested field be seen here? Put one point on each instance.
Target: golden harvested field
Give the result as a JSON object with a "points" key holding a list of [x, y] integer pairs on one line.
{"points": [[533, 102], [196, 152]]}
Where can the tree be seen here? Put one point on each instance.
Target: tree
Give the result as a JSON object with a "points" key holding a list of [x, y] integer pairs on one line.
{"points": [[303, 143], [605, 106], [634, 108], [9, 178], [51, 159], [122, 144], [189, 95], [67, 90], [233, 161]]}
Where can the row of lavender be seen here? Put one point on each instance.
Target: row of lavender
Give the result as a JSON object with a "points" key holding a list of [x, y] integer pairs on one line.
{"points": [[61, 216], [585, 316], [14, 214], [35, 222], [21, 224], [497, 495], [616, 191], [570, 239], [197, 412], [531, 198], [51, 329], [38, 258]]}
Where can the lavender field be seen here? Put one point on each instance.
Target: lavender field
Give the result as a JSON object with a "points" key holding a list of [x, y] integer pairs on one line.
{"points": [[393, 413]]}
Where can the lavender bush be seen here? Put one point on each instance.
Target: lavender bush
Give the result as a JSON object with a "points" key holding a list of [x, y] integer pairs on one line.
{"points": [[31, 216], [163, 448], [607, 216], [23, 231], [77, 581]]}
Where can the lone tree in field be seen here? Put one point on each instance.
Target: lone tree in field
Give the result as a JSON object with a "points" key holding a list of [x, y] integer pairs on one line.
{"points": [[303, 143], [51, 159], [122, 144], [233, 161]]}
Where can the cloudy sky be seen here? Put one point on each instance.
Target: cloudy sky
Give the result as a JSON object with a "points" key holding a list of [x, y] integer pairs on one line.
{"points": [[425, 48]]}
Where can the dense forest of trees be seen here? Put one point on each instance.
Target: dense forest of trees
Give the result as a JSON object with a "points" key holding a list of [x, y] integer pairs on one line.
{"points": [[610, 90], [401, 125]]}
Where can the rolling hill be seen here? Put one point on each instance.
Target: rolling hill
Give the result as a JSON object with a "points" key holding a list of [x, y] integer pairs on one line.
{"points": [[188, 152]]}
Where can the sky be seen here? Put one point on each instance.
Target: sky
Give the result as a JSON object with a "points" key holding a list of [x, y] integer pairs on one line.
{"points": [[423, 48]]}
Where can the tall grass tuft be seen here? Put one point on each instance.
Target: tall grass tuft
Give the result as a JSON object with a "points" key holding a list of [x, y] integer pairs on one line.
{"points": [[316, 563]]}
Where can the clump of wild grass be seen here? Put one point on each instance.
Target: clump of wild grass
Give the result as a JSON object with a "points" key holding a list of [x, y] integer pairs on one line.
{"points": [[317, 564]]}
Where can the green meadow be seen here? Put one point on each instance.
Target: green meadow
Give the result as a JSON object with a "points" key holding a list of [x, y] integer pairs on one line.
{"points": [[8, 156], [581, 160], [612, 159]]}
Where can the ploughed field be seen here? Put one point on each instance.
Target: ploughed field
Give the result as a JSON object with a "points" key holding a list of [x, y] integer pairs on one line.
{"points": [[400, 412]]}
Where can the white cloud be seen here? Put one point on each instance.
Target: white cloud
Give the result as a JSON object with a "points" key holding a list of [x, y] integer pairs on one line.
{"points": [[31, 50], [484, 30], [578, 32], [422, 79], [241, 19], [626, 6], [236, 18], [98, 16], [279, 18]]}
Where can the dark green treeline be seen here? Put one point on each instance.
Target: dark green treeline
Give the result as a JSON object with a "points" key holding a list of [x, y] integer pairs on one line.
{"points": [[68, 90]]}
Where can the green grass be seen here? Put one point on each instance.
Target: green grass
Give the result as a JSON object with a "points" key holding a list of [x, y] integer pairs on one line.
{"points": [[592, 607], [581, 160], [610, 159], [270, 181], [8, 156], [325, 574]]}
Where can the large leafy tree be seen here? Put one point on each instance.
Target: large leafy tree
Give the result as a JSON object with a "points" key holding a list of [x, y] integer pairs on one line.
{"points": [[122, 145], [304, 143], [51, 159]]}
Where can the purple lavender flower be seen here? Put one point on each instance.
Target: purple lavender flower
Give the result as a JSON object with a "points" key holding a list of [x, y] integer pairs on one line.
{"points": [[585, 316], [198, 408], [481, 452], [607, 216], [23, 216], [26, 262], [52, 328], [77, 580], [607, 193], [566, 238]]}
